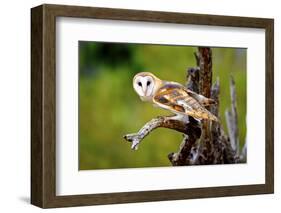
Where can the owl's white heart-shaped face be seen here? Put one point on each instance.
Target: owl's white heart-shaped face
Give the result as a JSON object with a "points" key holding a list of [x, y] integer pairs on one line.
{"points": [[144, 85]]}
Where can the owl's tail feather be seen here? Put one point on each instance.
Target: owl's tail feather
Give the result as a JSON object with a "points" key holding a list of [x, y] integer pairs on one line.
{"points": [[208, 102], [213, 117], [205, 115]]}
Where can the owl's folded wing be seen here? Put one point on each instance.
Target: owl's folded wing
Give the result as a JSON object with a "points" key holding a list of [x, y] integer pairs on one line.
{"points": [[201, 99], [176, 98]]}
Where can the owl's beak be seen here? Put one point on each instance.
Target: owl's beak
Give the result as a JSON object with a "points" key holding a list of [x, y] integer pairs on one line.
{"points": [[144, 90]]}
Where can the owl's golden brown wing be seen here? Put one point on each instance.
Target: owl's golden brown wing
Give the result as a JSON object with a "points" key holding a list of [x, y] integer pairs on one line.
{"points": [[176, 98]]}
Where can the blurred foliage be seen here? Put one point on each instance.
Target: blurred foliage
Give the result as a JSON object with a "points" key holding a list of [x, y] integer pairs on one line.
{"points": [[109, 108]]}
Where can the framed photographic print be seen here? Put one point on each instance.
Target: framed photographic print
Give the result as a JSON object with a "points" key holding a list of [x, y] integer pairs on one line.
{"points": [[136, 106]]}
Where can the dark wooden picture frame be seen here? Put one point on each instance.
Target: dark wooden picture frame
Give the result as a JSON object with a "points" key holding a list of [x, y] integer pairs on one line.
{"points": [[43, 105]]}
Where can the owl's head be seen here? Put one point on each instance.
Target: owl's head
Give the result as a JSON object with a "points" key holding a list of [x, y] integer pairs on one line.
{"points": [[145, 84]]}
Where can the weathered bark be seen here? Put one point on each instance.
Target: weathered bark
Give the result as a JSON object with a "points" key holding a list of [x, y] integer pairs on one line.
{"points": [[193, 79], [232, 119], [205, 76], [205, 85], [188, 150], [161, 121], [216, 135], [205, 142]]}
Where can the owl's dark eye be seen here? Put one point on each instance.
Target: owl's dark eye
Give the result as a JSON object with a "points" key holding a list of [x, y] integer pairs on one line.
{"points": [[148, 83], [139, 83]]}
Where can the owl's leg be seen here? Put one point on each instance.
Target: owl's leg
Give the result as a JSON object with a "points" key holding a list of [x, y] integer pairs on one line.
{"points": [[180, 117], [198, 119]]}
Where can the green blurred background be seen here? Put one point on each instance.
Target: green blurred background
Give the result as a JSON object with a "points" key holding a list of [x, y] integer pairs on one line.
{"points": [[109, 107]]}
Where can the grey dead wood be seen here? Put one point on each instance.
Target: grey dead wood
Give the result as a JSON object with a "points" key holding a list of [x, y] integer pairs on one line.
{"points": [[232, 119]]}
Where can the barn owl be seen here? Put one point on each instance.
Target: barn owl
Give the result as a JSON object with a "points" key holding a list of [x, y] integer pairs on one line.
{"points": [[172, 96]]}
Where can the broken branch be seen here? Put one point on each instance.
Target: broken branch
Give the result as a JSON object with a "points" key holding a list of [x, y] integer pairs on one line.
{"points": [[163, 121], [232, 119]]}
